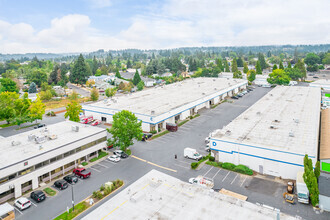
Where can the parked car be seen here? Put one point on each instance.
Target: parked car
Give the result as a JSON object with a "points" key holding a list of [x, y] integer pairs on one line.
{"points": [[61, 184], [38, 196], [96, 122], [124, 155], [192, 154], [82, 173], [315, 77], [39, 126], [71, 179], [171, 127], [240, 95], [234, 97], [22, 203], [114, 158], [118, 152], [208, 148], [146, 136], [244, 92]]}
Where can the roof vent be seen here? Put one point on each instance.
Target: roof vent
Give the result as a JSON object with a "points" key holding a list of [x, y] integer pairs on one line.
{"points": [[41, 147], [31, 137], [258, 113], [152, 112], [276, 121], [75, 128], [215, 88], [228, 132], [203, 93], [15, 143], [296, 120], [273, 127], [291, 134]]}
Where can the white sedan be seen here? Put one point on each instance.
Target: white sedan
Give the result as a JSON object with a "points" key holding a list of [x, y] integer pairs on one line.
{"points": [[114, 158], [22, 203]]}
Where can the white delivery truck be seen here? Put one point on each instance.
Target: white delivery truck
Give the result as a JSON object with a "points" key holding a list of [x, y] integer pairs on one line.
{"points": [[302, 190], [191, 153]]}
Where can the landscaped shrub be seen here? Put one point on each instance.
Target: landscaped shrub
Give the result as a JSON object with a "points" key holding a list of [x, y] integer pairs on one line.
{"points": [[94, 194], [99, 195], [228, 166], [212, 163], [194, 165], [243, 169], [102, 187], [211, 158], [153, 132]]}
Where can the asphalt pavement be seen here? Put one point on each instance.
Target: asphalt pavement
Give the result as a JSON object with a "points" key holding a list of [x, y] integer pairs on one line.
{"points": [[159, 154]]}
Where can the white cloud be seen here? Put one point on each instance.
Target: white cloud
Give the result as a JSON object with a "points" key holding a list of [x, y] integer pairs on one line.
{"points": [[181, 23]]}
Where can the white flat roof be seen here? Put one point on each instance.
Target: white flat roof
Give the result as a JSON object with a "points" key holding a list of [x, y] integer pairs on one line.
{"points": [[17, 148], [168, 97], [286, 118], [160, 196]]}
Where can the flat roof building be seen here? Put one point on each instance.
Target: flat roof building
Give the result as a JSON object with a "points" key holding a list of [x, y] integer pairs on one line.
{"points": [[325, 141], [168, 103], [160, 196], [273, 135], [31, 158]]}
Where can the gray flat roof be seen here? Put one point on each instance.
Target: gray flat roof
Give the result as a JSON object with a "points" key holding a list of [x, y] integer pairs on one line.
{"points": [[17, 148], [165, 98], [286, 118], [160, 196], [324, 184]]}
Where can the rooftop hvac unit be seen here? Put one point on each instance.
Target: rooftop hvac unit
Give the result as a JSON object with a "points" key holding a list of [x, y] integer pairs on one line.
{"points": [[152, 112], [15, 143], [31, 137], [296, 120], [291, 134], [75, 128], [40, 139], [41, 147]]}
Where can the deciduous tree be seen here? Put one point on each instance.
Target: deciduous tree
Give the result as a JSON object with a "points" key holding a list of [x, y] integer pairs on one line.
{"points": [[251, 75], [245, 68], [278, 77], [8, 85], [36, 109], [110, 92], [94, 94], [72, 111], [258, 68], [140, 85]]}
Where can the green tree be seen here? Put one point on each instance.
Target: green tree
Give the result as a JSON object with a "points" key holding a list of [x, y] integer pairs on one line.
{"points": [[245, 67], [234, 66], [326, 59], [281, 66], [46, 95], [311, 59], [72, 111], [94, 94], [80, 71], [32, 88], [310, 178], [301, 66], [240, 62], [258, 68], [8, 85], [21, 110], [37, 76], [128, 64], [125, 128], [7, 106], [262, 61], [95, 66], [136, 78], [289, 65], [74, 95], [226, 66], [219, 64], [317, 169], [110, 92], [278, 77], [37, 109], [275, 67], [140, 85], [118, 74], [237, 75], [251, 75], [294, 73], [55, 75]]}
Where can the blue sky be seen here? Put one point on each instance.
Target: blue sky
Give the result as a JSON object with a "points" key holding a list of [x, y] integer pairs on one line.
{"points": [[89, 25]]}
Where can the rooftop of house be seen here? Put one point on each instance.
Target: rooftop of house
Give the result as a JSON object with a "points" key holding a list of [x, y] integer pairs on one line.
{"points": [[165, 98], [22, 146], [160, 196], [286, 118]]}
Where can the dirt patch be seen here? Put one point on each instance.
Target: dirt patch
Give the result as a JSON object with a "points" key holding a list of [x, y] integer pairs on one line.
{"points": [[263, 186]]}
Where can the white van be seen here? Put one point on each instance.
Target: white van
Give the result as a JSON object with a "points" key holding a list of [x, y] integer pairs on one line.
{"points": [[191, 153]]}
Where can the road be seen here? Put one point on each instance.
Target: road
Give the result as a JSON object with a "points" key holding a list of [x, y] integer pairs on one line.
{"points": [[159, 154], [79, 90]]}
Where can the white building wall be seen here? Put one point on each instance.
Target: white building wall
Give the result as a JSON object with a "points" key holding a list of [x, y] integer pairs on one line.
{"points": [[145, 126], [260, 158], [324, 202], [185, 114], [216, 100]]}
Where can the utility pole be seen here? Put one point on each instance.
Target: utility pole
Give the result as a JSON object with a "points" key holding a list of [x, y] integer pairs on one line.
{"points": [[72, 198]]}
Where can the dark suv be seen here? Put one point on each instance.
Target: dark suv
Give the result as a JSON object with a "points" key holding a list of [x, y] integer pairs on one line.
{"points": [[146, 136], [39, 126], [38, 196], [71, 179], [61, 184]]}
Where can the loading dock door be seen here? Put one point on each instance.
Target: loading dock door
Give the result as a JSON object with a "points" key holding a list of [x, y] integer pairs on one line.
{"points": [[271, 168]]}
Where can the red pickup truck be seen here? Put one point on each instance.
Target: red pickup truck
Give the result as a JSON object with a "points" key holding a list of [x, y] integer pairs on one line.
{"points": [[82, 173]]}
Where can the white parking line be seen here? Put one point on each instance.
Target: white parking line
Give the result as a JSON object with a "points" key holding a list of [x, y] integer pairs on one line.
{"points": [[181, 166], [216, 174], [18, 210], [234, 179], [225, 176], [159, 141], [243, 181], [208, 171], [110, 161], [102, 165], [183, 162], [95, 169], [34, 204]]}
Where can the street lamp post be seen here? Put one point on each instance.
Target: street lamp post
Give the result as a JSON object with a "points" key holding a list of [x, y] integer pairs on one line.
{"points": [[72, 198]]}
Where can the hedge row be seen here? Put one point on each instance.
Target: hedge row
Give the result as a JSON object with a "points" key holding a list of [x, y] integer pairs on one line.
{"points": [[229, 166], [194, 165]]}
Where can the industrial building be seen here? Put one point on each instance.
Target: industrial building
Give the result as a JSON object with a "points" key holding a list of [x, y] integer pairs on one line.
{"points": [[325, 141], [273, 136], [29, 159], [160, 196], [168, 103]]}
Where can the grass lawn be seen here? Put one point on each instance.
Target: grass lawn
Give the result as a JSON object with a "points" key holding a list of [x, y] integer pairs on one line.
{"points": [[101, 154], [26, 126], [49, 191], [79, 208], [159, 135], [6, 125], [84, 163], [61, 103]]}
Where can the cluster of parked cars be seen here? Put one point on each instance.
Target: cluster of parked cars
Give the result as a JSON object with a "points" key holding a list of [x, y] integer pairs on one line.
{"points": [[241, 94], [117, 155], [39, 196]]}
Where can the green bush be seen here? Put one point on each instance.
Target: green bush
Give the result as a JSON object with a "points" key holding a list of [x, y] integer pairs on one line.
{"points": [[228, 166], [102, 187], [153, 132], [194, 165], [99, 195], [94, 194], [128, 152], [215, 164], [211, 158], [243, 169], [84, 163]]}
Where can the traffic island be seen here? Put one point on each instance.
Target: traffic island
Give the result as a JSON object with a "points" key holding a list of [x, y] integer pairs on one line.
{"points": [[105, 190]]}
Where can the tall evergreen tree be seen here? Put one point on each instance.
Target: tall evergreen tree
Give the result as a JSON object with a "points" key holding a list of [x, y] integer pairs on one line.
{"points": [[94, 66], [262, 61], [281, 65], [32, 88], [80, 71], [258, 68], [118, 74], [301, 66], [55, 75], [234, 66], [128, 64], [219, 64], [240, 62], [245, 68], [136, 78], [274, 67], [289, 65], [226, 66]]}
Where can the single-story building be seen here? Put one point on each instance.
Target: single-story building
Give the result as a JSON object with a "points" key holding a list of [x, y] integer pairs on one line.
{"points": [[325, 141], [321, 83], [273, 135], [168, 103], [324, 189]]}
